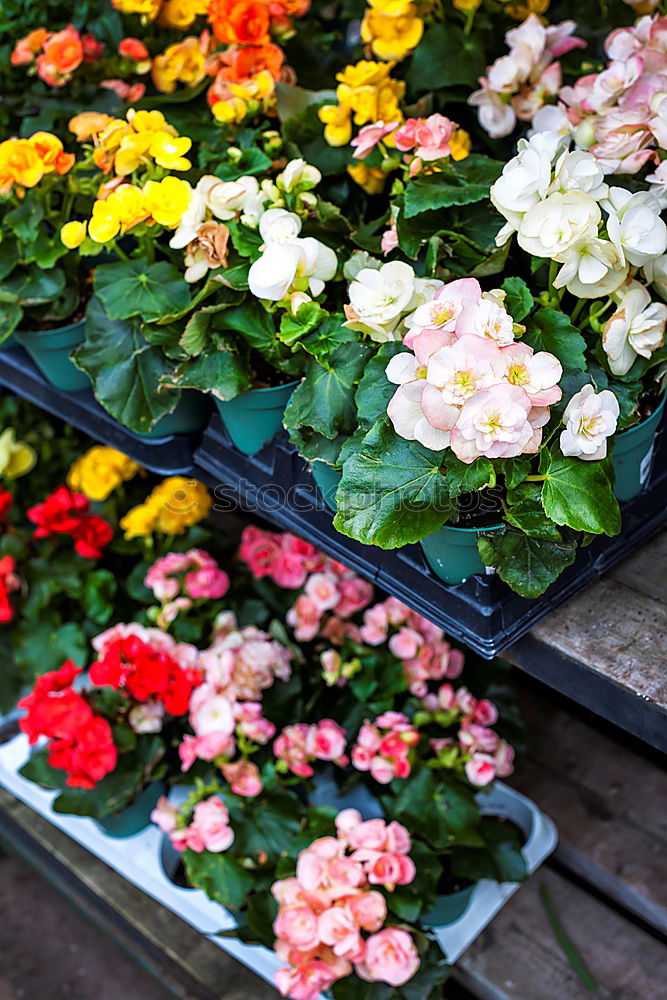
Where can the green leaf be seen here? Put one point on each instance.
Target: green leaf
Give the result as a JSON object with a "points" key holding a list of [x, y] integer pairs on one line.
{"points": [[499, 859], [374, 391], [99, 590], [551, 330], [525, 511], [11, 315], [528, 565], [24, 220], [125, 370], [580, 494], [44, 250], [392, 491], [39, 646], [252, 161], [519, 300], [458, 184], [218, 371], [461, 477], [220, 876], [32, 286], [446, 57], [324, 400], [440, 810], [309, 315], [38, 770], [246, 242], [133, 288]]}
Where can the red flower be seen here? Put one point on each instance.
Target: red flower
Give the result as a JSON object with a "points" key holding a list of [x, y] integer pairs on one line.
{"points": [[9, 582], [5, 504], [60, 514], [92, 49], [92, 535], [87, 758], [145, 674]]}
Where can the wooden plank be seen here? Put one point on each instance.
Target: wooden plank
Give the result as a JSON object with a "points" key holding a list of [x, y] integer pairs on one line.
{"points": [[518, 957], [608, 803], [646, 570], [202, 963]]}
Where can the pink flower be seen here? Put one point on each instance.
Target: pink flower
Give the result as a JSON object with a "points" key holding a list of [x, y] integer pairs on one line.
{"points": [[355, 595], [391, 957], [290, 747], [369, 136], [337, 928], [368, 910], [374, 629], [391, 870], [346, 821], [327, 741], [494, 422], [405, 643], [206, 747], [389, 239], [429, 137], [361, 758], [383, 770], [398, 839], [244, 778], [474, 737], [485, 712], [504, 759], [480, 770], [369, 835], [304, 618], [251, 722], [464, 699], [210, 582], [298, 926], [322, 590], [165, 815], [211, 821], [305, 982]]}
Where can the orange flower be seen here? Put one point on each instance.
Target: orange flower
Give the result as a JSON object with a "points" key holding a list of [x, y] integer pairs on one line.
{"points": [[89, 124], [20, 163], [241, 63], [50, 149], [244, 22], [183, 62], [125, 91], [26, 49], [132, 48], [63, 53]]}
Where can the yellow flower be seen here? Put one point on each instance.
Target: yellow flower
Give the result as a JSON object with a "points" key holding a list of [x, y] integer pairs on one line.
{"points": [[337, 124], [148, 121], [140, 520], [16, 457], [459, 144], [20, 163], [371, 179], [100, 471], [104, 223], [391, 37], [89, 124], [182, 503], [364, 74], [73, 234], [112, 134], [148, 10], [133, 152], [166, 200], [127, 202], [392, 8], [167, 151], [469, 5], [230, 112], [520, 11], [183, 62], [180, 14]]}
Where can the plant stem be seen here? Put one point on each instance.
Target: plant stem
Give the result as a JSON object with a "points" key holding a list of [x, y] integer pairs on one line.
{"points": [[535, 479], [117, 250]]}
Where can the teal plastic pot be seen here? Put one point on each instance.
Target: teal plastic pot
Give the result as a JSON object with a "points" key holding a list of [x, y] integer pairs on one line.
{"points": [[448, 908], [11, 341], [256, 416], [50, 350], [191, 414], [136, 816], [632, 456], [328, 481], [452, 552]]}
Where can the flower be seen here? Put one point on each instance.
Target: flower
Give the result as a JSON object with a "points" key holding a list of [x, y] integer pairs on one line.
{"points": [[207, 251], [634, 225], [589, 418], [167, 200], [244, 22], [133, 49], [62, 54], [210, 823], [380, 298], [183, 62], [20, 163], [9, 583], [390, 957], [636, 328], [559, 224], [92, 536], [100, 471], [16, 457], [369, 136], [73, 234], [172, 507], [391, 36]]}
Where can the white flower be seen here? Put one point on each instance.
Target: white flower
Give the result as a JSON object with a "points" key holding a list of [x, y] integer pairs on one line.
{"points": [[272, 275], [589, 418], [212, 715], [298, 174], [279, 226], [552, 118], [636, 328], [147, 718], [379, 299], [635, 226], [612, 82], [579, 171], [592, 269], [194, 214], [491, 320], [559, 223], [658, 182], [227, 198], [655, 272], [496, 116], [524, 181], [318, 263]]}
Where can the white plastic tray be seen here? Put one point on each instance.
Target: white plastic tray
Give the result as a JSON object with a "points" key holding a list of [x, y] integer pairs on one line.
{"points": [[139, 859]]}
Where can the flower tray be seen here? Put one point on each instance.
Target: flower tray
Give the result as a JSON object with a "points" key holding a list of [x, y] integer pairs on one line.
{"points": [[169, 455], [482, 612], [140, 859]]}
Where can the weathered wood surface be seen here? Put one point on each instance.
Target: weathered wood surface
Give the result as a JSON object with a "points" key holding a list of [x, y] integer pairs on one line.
{"points": [[186, 962], [517, 958], [606, 648]]}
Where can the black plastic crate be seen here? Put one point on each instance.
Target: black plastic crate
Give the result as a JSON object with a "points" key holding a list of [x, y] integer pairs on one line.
{"points": [[482, 612], [169, 455]]}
